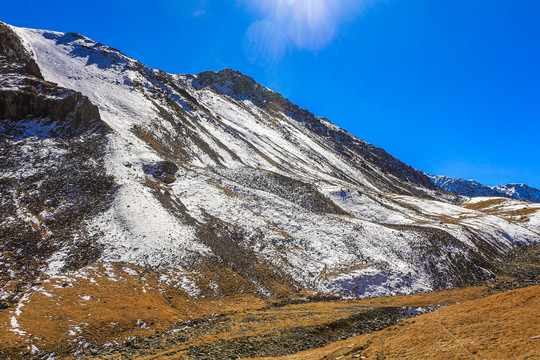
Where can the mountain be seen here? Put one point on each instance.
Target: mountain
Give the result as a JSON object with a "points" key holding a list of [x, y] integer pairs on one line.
{"points": [[473, 188], [520, 192], [470, 188], [174, 197]]}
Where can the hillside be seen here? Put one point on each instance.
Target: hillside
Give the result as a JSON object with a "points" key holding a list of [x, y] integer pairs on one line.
{"points": [[174, 197]]}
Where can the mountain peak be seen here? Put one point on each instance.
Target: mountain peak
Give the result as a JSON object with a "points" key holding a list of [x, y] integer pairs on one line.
{"points": [[519, 191], [237, 85]]}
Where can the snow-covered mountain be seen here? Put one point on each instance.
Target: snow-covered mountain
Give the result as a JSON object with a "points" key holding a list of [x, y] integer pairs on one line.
{"points": [[213, 186], [519, 192], [472, 188]]}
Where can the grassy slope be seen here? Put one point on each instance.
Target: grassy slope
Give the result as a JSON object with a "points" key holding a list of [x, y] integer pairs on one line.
{"points": [[497, 327], [226, 336]]}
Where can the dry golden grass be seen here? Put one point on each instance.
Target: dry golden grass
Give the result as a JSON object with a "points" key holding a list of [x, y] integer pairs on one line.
{"points": [[501, 326], [274, 321], [107, 310], [150, 140], [485, 204], [111, 303], [229, 192], [496, 207]]}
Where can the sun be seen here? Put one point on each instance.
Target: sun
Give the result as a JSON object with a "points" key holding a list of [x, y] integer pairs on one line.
{"points": [[288, 25]]}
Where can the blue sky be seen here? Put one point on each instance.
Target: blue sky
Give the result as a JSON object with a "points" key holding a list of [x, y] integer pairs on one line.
{"points": [[449, 87]]}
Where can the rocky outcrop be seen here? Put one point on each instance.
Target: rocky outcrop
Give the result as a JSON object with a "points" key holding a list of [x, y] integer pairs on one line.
{"points": [[52, 177], [163, 170], [25, 96], [70, 111], [14, 52]]}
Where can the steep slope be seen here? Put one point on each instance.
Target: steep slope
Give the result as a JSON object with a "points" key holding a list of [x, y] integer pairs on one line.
{"points": [[473, 188], [361, 155], [212, 186], [280, 183], [52, 178]]}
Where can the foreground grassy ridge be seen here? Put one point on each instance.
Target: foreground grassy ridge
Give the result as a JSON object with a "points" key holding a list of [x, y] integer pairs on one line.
{"points": [[284, 330], [81, 311], [108, 304], [502, 326]]}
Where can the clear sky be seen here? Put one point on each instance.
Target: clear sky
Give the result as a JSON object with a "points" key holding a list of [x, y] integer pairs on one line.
{"points": [[449, 87]]}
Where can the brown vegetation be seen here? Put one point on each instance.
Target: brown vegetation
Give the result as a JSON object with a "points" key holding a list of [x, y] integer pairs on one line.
{"points": [[107, 304], [496, 207], [124, 305], [497, 327]]}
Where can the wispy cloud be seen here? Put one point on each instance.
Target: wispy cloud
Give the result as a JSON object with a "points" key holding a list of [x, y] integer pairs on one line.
{"points": [[287, 25], [199, 13]]}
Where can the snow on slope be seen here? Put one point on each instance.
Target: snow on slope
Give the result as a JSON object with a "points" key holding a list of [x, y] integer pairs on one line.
{"points": [[524, 213], [136, 226], [294, 190]]}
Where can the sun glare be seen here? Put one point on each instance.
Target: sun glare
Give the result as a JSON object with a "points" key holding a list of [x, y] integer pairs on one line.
{"points": [[297, 24]]}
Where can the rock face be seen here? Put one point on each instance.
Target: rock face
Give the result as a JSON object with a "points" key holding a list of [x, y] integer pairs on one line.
{"points": [[215, 183], [52, 178], [473, 188], [26, 96], [15, 56], [73, 114]]}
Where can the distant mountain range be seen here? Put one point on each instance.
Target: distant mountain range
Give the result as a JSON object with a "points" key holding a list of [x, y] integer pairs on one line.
{"points": [[473, 188]]}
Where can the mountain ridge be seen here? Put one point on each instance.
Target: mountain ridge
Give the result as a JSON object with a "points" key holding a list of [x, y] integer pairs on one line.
{"points": [[186, 119], [473, 188]]}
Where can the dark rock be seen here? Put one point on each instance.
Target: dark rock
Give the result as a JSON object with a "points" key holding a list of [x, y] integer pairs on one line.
{"points": [[14, 52], [59, 134], [70, 113], [163, 170], [29, 101]]}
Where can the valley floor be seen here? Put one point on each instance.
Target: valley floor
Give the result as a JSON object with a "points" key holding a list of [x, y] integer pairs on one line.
{"points": [[502, 326], [481, 322], [292, 328]]}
